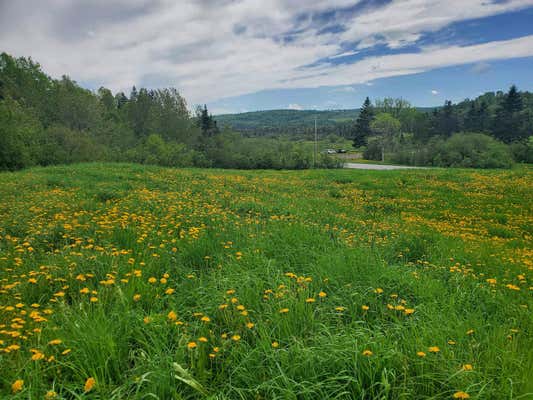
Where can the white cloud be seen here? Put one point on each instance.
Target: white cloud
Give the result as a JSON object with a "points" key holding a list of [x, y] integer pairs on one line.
{"points": [[480, 68], [434, 92], [295, 107], [211, 49]]}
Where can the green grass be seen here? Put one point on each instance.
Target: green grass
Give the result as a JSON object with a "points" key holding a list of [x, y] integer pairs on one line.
{"points": [[241, 248]]}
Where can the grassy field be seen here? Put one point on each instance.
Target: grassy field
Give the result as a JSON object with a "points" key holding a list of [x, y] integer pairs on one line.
{"points": [[131, 282]]}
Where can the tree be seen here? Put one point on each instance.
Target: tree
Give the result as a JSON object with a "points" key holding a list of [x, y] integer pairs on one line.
{"points": [[508, 123], [362, 124], [206, 122], [386, 127]]}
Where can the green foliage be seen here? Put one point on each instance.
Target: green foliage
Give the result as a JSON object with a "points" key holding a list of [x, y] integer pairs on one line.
{"points": [[466, 150], [362, 124]]}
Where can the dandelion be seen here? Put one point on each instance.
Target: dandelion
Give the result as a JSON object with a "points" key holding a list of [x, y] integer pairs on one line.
{"points": [[452, 342], [65, 352], [89, 384], [172, 316], [202, 339], [147, 320], [378, 291], [461, 395], [169, 291], [434, 349], [191, 345], [310, 300], [367, 353], [94, 299], [275, 344], [136, 297], [250, 325], [322, 295], [236, 338], [55, 342], [152, 280], [205, 319], [17, 386], [365, 308], [420, 354], [284, 311], [470, 332], [50, 395], [467, 367], [409, 311]]}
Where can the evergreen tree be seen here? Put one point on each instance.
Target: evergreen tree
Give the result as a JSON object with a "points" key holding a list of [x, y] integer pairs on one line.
{"points": [[362, 124]]}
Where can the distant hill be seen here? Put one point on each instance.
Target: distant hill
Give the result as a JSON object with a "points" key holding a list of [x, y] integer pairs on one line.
{"points": [[272, 122], [286, 121]]}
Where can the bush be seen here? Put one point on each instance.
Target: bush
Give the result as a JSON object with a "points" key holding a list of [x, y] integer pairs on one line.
{"points": [[465, 150], [523, 151]]}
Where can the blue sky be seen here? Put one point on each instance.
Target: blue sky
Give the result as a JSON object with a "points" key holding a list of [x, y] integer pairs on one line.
{"points": [[244, 55]]}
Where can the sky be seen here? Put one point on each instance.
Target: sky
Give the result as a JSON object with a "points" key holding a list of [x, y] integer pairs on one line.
{"points": [[246, 55]]}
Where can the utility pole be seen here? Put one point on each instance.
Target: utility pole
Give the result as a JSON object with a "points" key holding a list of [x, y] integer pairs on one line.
{"points": [[316, 147]]}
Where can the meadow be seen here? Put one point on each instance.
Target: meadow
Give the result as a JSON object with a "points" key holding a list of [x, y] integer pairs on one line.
{"points": [[122, 281]]}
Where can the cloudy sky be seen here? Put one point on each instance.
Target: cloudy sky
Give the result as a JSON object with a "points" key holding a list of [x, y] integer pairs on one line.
{"points": [[241, 55]]}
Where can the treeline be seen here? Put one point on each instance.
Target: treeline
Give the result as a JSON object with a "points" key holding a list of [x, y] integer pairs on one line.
{"points": [[491, 131], [45, 121]]}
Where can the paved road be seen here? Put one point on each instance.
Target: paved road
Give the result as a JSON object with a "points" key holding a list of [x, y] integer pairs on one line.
{"points": [[376, 166]]}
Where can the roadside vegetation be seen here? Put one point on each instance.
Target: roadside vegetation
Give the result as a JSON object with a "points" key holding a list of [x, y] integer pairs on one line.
{"points": [[126, 281]]}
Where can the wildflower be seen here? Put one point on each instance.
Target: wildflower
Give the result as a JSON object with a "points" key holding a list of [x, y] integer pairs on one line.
{"points": [[222, 306], [365, 307], [50, 395], [85, 290], [322, 294], [136, 297], [250, 325], [202, 339], [55, 341], [230, 292], [310, 300], [169, 291], [37, 356], [17, 386], [409, 311], [275, 344], [205, 319], [340, 308], [284, 311], [434, 349], [461, 395], [172, 316], [378, 291], [191, 345], [470, 332], [152, 280], [367, 353], [93, 299], [451, 342], [65, 352], [147, 320], [467, 367], [236, 338], [421, 354], [89, 384]]}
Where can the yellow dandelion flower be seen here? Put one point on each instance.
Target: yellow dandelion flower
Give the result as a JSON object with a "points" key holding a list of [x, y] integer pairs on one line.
{"points": [[169, 291], [236, 338], [322, 294], [202, 339], [365, 307], [310, 300], [93, 299], [50, 395], [172, 316], [136, 297], [433, 349], [205, 319], [250, 325], [275, 344], [367, 353], [467, 367], [284, 311], [191, 345], [89, 384], [55, 341], [17, 386], [421, 354], [461, 395]]}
